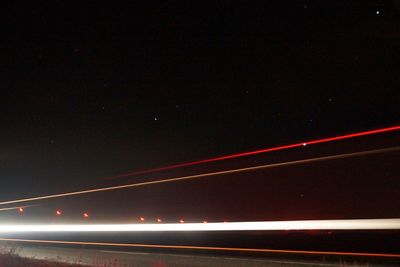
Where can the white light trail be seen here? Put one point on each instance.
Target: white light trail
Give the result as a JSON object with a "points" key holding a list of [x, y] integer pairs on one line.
{"points": [[350, 224], [16, 208], [203, 175]]}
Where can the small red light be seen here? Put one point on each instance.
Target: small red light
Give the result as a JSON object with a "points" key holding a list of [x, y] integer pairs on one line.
{"points": [[58, 212], [159, 220], [141, 219], [85, 215], [21, 210], [205, 222], [181, 221]]}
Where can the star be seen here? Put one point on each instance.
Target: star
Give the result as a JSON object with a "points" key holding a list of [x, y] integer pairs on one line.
{"points": [[155, 118]]}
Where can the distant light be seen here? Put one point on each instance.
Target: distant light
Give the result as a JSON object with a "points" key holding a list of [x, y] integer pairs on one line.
{"points": [[85, 215], [141, 219], [58, 212], [181, 221], [159, 220], [21, 210], [304, 144], [205, 222], [378, 12]]}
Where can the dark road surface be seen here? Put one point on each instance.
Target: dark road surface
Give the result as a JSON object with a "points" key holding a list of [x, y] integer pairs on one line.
{"points": [[109, 257]]}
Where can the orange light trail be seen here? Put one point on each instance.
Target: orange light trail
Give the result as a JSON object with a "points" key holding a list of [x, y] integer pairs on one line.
{"points": [[261, 151], [203, 175], [258, 250]]}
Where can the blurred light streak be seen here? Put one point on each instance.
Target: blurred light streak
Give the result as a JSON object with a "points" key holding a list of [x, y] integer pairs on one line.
{"points": [[258, 250], [255, 152], [203, 175], [15, 208], [348, 224]]}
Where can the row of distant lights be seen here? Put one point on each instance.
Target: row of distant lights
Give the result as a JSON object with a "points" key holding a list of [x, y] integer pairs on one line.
{"points": [[141, 219], [57, 212], [85, 215]]}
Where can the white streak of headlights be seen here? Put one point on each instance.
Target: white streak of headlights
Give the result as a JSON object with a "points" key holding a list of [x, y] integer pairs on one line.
{"points": [[353, 224]]}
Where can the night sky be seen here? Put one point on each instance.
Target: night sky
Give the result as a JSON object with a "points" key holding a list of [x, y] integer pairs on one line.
{"points": [[90, 91]]}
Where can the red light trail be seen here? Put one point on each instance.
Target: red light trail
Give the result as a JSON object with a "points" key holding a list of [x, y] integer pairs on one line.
{"points": [[203, 175], [261, 151]]}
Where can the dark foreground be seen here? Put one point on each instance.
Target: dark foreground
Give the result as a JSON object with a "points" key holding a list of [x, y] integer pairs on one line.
{"points": [[78, 256], [12, 260], [381, 242]]}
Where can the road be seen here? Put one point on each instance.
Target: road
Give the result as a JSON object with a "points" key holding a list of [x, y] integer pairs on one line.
{"points": [[93, 256]]}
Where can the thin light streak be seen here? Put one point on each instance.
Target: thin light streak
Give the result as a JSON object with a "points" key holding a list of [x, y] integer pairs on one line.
{"points": [[8, 209], [257, 250], [197, 176], [16, 208], [261, 151], [349, 224]]}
